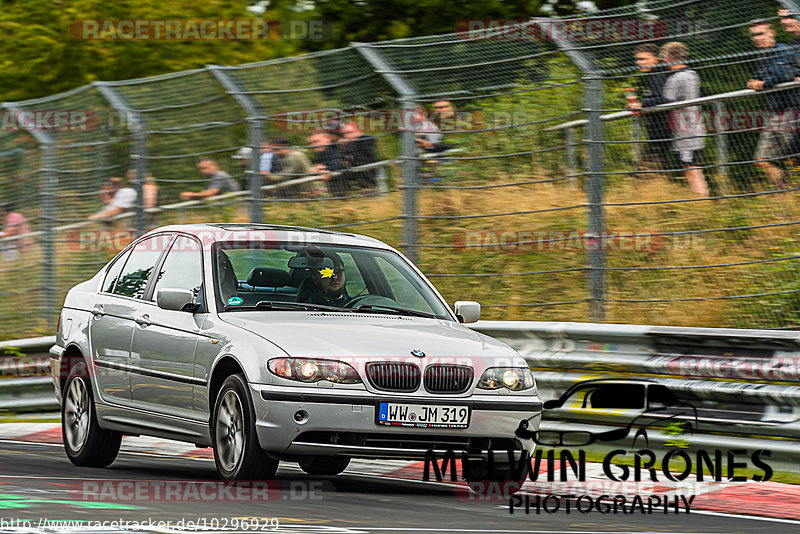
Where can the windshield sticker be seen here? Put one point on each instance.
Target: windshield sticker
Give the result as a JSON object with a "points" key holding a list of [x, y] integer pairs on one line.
{"points": [[235, 301], [327, 272]]}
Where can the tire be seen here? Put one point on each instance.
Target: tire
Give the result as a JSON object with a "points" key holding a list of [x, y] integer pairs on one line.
{"points": [[86, 444], [324, 465], [481, 480], [237, 453]]}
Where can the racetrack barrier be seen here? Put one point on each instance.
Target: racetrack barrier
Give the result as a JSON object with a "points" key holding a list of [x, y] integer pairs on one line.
{"points": [[742, 383]]}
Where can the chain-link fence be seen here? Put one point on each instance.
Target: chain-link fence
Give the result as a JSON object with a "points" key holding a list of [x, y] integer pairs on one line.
{"points": [[525, 183]]}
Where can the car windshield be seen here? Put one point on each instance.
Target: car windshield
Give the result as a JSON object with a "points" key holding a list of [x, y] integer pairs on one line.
{"points": [[252, 276]]}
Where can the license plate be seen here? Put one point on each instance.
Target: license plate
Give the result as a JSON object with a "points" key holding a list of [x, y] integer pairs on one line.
{"points": [[423, 415]]}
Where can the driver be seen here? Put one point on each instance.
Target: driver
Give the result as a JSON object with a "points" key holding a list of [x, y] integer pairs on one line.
{"points": [[329, 284]]}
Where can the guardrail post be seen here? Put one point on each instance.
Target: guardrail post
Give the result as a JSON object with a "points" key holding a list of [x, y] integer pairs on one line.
{"points": [[595, 183], [407, 95], [138, 149], [254, 134]]}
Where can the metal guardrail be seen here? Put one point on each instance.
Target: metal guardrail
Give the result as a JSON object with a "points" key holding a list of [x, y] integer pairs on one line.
{"points": [[25, 385], [747, 380]]}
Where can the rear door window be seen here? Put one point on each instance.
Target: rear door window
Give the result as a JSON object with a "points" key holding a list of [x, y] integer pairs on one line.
{"points": [[136, 273]]}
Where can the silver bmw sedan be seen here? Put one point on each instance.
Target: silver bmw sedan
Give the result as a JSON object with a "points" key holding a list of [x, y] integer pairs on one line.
{"points": [[273, 343]]}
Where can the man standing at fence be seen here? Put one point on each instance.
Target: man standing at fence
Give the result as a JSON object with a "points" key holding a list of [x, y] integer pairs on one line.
{"points": [[651, 89], [776, 66], [792, 26], [219, 181], [327, 160], [688, 137], [358, 149]]}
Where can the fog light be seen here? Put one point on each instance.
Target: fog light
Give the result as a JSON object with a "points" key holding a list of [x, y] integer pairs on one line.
{"points": [[301, 416]]}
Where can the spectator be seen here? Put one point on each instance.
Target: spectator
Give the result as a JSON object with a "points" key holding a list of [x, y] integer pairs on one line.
{"points": [[688, 140], [776, 66], [149, 189], [269, 162], [444, 116], [294, 165], [428, 136], [650, 88], [326, 159], [120, 197], [149, 195], [245, 155], [14, 224], [219, 182], [792, 26], [358, 149]]}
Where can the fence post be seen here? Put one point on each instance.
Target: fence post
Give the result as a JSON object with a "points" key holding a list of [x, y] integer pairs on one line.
{"points": [[138, 151], [407, 95], [254, 114], [595, 183], [572, 158], [49, 180]]}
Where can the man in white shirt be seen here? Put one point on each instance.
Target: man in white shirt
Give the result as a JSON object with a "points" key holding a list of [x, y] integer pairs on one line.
{"points": [[121, 198]]}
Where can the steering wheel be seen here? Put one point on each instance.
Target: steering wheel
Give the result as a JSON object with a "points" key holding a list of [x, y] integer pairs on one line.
{"points": [[370, 300]]}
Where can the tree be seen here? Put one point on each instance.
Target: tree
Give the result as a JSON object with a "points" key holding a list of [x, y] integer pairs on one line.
{"points": [[40, 56]]}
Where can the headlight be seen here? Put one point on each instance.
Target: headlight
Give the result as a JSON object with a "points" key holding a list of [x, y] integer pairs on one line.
{"points": [[310, 371], [513, 378]]}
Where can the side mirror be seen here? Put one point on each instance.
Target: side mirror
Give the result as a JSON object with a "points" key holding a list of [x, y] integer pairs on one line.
{"points": [[175, 299], [551, 404], [467, 311]]}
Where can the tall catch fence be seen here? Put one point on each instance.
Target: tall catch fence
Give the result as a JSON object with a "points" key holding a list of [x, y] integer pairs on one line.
{"points": [[543, 198]]}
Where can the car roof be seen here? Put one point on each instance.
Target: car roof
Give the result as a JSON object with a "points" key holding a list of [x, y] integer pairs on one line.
{"points": [[223, 231]]}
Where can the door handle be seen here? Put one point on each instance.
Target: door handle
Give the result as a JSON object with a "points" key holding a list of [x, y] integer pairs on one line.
{"points": [[144, 320], [97, 310]]}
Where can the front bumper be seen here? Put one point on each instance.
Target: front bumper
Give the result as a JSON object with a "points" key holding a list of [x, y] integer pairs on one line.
{"points": [[344, 422]]}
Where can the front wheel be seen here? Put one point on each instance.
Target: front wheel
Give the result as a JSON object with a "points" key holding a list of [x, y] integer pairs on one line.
{"points": [[324, 465], [86, 444], [237, 453], [502, 478]]}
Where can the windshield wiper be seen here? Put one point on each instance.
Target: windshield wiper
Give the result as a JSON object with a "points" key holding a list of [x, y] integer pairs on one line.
{"points": [[269, 305], [401, 311], [280, 305]]}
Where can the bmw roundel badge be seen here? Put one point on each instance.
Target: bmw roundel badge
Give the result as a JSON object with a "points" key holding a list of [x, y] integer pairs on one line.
{"points": [[418, 353]]}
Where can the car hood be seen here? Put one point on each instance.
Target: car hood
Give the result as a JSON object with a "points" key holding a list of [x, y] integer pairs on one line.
{"points": [[348, 335]]}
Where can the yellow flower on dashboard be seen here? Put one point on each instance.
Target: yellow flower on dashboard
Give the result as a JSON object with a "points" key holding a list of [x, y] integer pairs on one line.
{"points": [[327, 272]]}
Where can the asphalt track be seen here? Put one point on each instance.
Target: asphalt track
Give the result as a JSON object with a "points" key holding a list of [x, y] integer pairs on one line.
{"points": [[40, 490]]}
